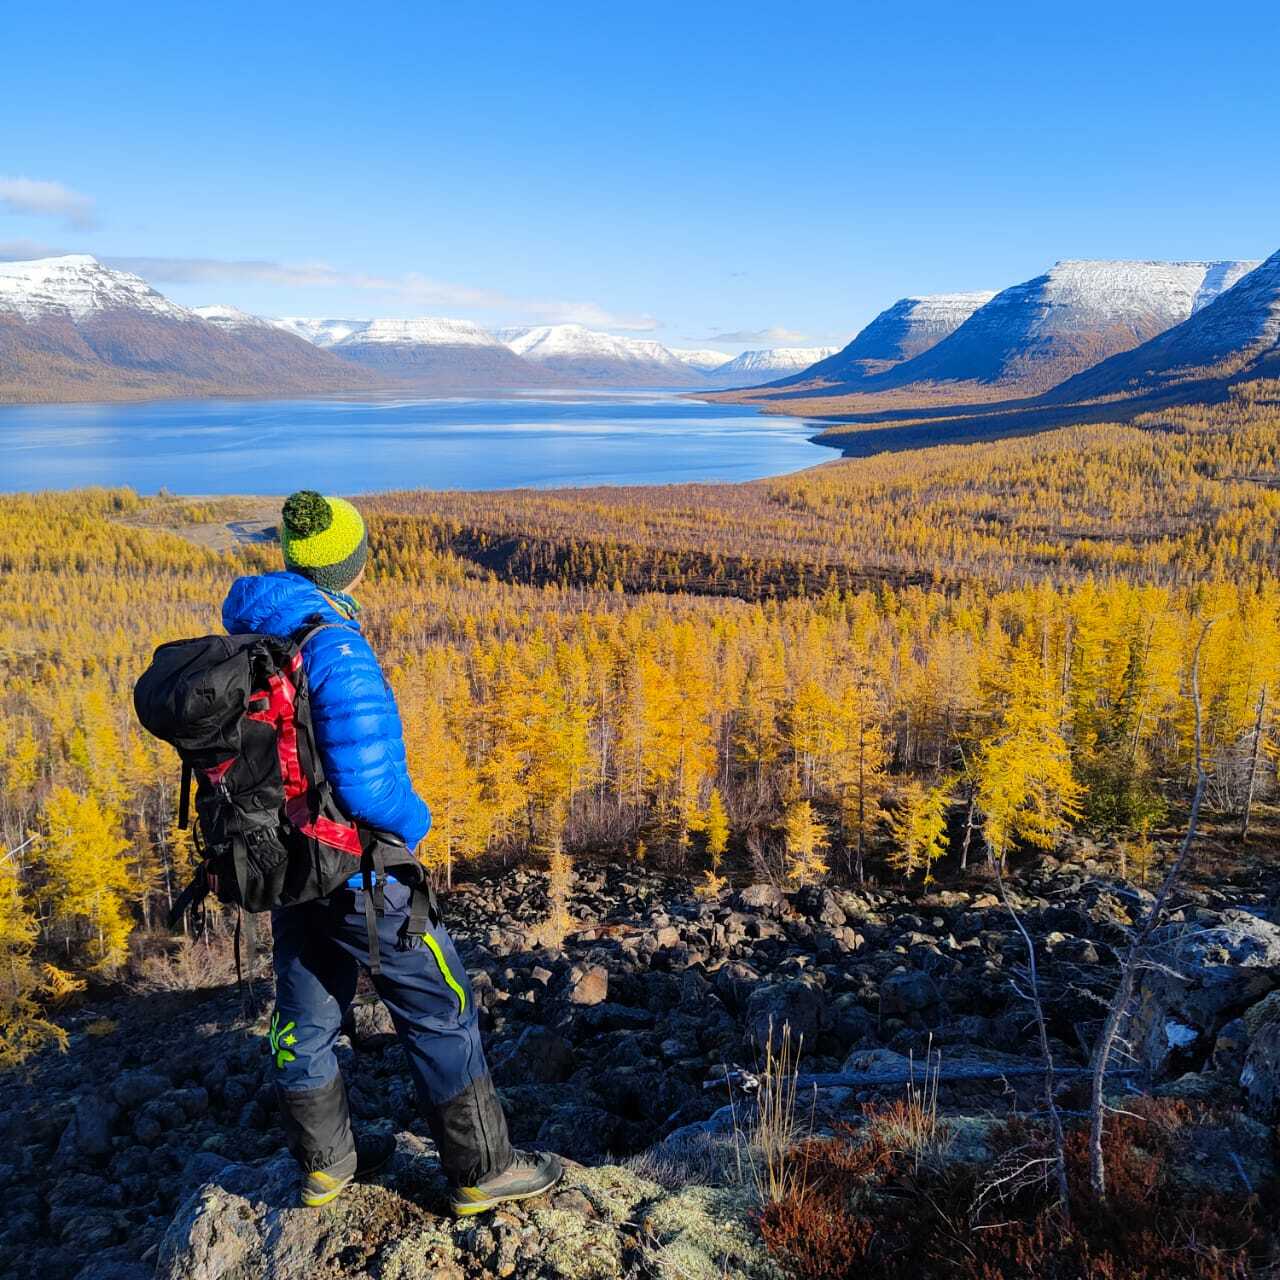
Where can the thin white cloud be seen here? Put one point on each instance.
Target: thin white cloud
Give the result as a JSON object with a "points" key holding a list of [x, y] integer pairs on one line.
{"points": [[412, 288], [23, 250], [38, 198], [775, 336]]}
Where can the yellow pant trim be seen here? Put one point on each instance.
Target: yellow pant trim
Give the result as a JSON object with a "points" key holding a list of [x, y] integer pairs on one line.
{"points": [[450, 981]]}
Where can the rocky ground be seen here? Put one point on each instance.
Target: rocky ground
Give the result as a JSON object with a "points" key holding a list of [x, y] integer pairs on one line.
{"points": [[151, 1147]]}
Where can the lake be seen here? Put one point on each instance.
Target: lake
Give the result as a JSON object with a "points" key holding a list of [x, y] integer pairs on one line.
{"points": [[361, 446]]}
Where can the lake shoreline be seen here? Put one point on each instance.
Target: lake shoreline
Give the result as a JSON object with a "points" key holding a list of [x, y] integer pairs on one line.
{"points": [[539, 439]]}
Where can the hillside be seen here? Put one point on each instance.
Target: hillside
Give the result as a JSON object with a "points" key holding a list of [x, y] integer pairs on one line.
{"points": [[1233, 339], [907, 329], [72, 329]]}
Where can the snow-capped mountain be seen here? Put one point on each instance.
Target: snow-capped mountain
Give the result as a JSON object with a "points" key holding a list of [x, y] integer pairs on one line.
{"points": [[232, 318], [75, 287], [1036, 334], [1235, 335], [704, 359], [907, 329], [752, 368], [71, 328], [439, 353], [320, 333], [580, 355], [424, 330], [425, 352]]}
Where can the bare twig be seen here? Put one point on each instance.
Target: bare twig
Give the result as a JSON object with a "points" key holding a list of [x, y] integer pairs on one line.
{"points": [[1032, 995]]}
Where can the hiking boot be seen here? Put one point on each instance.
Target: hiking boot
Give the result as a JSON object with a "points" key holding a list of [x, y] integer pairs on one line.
{"points": [[529, 1174], [371, 1156]]}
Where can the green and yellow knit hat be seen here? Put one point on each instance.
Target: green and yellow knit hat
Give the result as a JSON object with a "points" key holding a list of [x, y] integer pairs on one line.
{"points": [[324, 539]]}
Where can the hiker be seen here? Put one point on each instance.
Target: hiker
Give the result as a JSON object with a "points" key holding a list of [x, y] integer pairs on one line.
{"points": [[321, 945]]}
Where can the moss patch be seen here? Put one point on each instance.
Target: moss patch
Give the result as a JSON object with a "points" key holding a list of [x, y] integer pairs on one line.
{"points": [[703, 1233]]}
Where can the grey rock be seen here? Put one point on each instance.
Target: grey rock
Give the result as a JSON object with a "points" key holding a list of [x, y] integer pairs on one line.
{"points": [[580, 1133], [1230, 1049], [763, 897], [851, 1023], [590, 987], [877, 1062], [1260, 1078], [538, 1056], [1176, 1020], [133, 1088], [1239, 939], [910, 992], [1258, 1015], [89, 1132], [798, 1005], [819, 904], [113, 1269], [369, 1025]]}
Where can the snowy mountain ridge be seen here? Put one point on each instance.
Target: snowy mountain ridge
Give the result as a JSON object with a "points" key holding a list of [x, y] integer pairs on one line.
{"points": [[704, 359], [1078, 294], [1234, 335], [231, 318], [558, 341], [775, 360], [76, 286], [318, 332], [431, 331], [421, 330], [900, 332]]}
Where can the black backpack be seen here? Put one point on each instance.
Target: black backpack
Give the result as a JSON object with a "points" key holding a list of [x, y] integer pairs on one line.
{"points": [[268, 830]]}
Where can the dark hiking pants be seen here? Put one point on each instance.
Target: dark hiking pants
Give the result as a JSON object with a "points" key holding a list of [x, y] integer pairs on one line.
{"points": [[320, 948]]}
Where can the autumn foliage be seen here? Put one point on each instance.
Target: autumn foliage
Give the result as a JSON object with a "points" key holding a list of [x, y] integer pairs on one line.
{"points": [[886, 662]]}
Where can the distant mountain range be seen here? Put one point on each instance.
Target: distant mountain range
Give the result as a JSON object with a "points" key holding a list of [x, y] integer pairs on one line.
{"points": [[1023, 341], [71, 328], [578, 356]]}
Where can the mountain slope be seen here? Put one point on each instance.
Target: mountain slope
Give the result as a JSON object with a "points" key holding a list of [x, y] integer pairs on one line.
{"points": [[907, 329], [706, 360], [753, 368], [1235, 337], [572, 352], [1036, 334], [71, 328], [439, 354]]}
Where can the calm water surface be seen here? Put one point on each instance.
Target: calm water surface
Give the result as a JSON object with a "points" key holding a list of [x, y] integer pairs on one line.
{"points": [[356, 446]]}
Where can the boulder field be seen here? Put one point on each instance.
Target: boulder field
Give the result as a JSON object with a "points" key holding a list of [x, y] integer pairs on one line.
{"points": [[151, 1148]]}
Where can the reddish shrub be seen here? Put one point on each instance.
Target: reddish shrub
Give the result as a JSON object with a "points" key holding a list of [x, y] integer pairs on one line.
{"points": [[863, 1211]]}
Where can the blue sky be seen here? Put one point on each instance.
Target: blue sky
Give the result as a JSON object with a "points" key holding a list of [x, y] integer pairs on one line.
{"points": [[705, 174]]}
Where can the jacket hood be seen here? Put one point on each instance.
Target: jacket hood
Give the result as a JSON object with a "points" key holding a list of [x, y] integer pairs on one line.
{"points": [[278, 604]]}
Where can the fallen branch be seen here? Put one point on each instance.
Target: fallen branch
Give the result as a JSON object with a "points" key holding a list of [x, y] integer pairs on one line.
{"points": [[748, 1080]]}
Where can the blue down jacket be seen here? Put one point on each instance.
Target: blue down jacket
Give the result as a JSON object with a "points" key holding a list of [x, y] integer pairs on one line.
{"points": [[357, 723]]}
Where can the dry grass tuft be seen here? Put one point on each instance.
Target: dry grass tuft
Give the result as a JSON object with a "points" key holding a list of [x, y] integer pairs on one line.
{"points": [[910, 1126], [767, 1142]]}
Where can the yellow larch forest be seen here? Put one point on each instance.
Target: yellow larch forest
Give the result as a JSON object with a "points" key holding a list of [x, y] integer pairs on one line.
{"points": [[856, 671]]}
